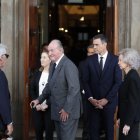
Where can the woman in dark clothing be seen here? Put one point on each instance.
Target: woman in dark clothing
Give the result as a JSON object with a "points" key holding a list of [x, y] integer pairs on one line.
{"points": [[129, 95], [41, 114]]}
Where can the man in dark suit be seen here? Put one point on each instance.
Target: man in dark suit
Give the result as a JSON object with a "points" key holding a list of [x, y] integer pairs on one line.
{"points": [[6, 126], [102, 79], [85, 133], [64, 90]]}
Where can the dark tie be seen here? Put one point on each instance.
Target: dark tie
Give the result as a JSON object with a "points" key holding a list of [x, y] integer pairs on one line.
{"points": [[101, 64], [53, 68]]}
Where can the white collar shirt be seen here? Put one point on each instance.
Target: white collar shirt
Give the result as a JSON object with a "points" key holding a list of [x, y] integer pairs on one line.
{"points": [[57, 62], [104, 58]]}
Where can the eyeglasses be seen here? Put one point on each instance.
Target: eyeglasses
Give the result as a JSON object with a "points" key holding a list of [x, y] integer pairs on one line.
{"points": [[5, 56]]}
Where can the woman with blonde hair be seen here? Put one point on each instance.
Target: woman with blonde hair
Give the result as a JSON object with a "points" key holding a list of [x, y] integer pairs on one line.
{"points": [[41, 114]]}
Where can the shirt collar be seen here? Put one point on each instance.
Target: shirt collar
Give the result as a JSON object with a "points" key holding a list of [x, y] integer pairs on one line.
{"points": [[104, 56], [57, 62]]}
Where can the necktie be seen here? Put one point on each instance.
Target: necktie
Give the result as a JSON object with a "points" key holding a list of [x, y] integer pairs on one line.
{"points": [[101, 64], [53, 68]]}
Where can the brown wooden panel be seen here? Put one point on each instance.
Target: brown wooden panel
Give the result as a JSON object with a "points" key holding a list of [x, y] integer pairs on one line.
{"points": [[112, 34], [31, 36], [116, 30], [109, 24], [26, 66], [34, 37]]}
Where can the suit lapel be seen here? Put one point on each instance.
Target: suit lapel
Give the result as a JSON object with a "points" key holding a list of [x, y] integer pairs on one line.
{"points": [[58, 68], [107, 63], [97, 67]]}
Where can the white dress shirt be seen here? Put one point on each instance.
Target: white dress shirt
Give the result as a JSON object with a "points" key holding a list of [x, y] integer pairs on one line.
{"points": [[104, 58]]}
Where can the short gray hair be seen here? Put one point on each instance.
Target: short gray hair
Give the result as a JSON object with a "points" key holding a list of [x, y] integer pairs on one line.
{"points": [[3, 50], [131, 57], [59, 44]]}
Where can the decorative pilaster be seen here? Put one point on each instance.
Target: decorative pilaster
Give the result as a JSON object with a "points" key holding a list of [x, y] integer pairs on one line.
{"points": [[125, 23]]}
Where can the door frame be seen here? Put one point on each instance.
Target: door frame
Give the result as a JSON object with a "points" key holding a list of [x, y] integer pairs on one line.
{"points": [[113, 35], [111, 25]]}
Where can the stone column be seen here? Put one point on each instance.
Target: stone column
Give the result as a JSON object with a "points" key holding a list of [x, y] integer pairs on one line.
{"points": [[124, 23], [7, 35], [135, 25], [129, 19], [12, 37]]}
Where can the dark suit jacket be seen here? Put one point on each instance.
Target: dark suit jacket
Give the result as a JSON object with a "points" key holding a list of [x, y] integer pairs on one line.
{"points": [[5, 107], [64, 89], [34, 86], [81, 73], [106, 85], [129, 98]]}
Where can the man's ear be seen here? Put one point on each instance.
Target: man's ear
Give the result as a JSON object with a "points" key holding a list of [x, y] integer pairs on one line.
{"points": [[105, 44], [0, 59]]}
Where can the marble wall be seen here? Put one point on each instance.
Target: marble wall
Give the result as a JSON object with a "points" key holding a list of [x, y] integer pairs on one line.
{"points": [[7, 35], [129, 19], [129, 29], [12, 26], [135, 25]]}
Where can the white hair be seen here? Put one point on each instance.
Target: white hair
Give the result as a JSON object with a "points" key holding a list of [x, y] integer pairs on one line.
{"points": [[131, 57], [58, 43], [3, 46]]}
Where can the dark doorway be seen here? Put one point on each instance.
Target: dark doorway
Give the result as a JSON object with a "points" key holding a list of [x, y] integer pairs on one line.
{"points": [[77, 23], [73, 23]]}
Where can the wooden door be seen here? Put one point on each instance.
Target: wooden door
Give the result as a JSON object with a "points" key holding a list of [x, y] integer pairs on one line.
{"points": [[112, 33], [34, 49], [111, 25], [31, 61]]}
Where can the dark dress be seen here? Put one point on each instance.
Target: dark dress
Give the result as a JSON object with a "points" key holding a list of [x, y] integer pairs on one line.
{"points": [[129, 105], [42, 119]]}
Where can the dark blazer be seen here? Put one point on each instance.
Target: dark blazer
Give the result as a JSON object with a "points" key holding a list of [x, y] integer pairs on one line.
{"points": [[5, 107], [105, 85], [81, 73], [42, 119], [34, 86], [64, 89], [129, 98]]}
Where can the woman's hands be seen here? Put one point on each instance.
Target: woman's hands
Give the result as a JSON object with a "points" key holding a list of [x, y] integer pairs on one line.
{"points": [[9, 129], [126, 129], [118, 123]]}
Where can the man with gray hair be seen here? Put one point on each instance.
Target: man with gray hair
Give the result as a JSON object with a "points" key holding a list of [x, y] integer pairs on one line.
{"points": [[6, 126], [64, 90]]}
